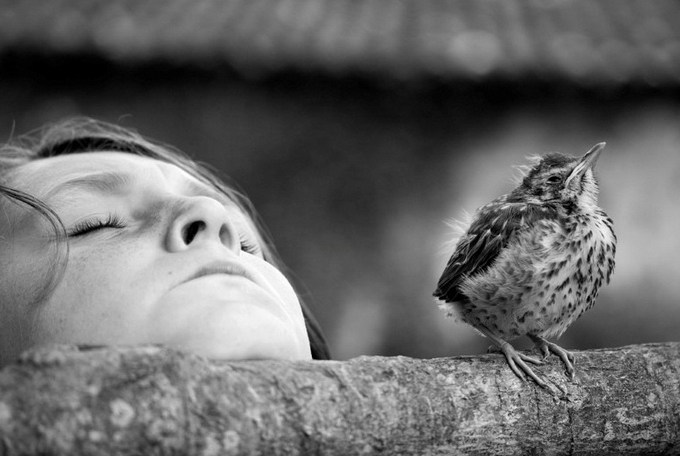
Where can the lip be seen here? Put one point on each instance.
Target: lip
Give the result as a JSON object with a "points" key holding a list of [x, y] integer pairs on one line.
{"points": [[222, 267], [232, 268]]}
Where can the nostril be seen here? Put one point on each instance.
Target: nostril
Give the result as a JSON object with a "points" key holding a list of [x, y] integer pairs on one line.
{"points": [[191, 230]]}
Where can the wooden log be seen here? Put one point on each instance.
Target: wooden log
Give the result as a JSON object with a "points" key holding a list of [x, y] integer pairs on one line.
{"points": [[151, 400]]}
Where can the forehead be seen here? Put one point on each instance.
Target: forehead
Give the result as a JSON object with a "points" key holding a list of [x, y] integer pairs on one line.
{"points": [[41, 177], [556, 160], [550, 163]]}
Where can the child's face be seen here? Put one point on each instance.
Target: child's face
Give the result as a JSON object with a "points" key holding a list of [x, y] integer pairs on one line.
{"points": [[155, 258]]}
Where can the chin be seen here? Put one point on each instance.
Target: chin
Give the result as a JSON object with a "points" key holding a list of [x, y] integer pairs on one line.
{"points": [[263, 342], [254, 352], [235, 323]]}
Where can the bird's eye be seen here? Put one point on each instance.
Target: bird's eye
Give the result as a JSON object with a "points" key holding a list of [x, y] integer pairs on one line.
{"points": [[554, 179]]}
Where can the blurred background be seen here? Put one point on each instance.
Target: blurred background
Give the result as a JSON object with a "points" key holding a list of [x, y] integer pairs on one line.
{"points": [[359, 128]]}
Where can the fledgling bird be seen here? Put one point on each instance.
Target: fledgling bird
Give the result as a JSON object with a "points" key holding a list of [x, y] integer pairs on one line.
{"points": [[532, 261]]}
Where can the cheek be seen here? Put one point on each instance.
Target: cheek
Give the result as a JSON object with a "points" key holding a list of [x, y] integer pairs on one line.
{"points": [[91, 276], [26, 277], [539, 192], [21, 281], [98, 299], [293, 307], [280, 284], [29, 260], [288, 296]]}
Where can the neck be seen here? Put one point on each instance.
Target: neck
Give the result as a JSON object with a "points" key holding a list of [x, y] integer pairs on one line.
{"points": [[587, 202]]}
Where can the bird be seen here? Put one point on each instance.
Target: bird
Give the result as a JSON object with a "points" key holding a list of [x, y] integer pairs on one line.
{"points": [[532, 261]]}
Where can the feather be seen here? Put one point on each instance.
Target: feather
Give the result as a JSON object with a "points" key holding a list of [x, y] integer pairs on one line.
{"points": [[493, 228]]}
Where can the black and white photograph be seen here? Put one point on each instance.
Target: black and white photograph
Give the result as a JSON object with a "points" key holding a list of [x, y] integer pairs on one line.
{"points": [[339, 227]]}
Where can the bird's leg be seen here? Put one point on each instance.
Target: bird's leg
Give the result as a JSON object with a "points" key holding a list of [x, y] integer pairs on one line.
{"points": [[514, 358], [546, 347]]}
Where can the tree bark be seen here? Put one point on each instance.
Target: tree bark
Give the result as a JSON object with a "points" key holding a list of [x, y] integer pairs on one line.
{"points": [[152, 400]]}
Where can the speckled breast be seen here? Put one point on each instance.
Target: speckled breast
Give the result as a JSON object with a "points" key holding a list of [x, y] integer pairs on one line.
{"points": [[545, 279]]}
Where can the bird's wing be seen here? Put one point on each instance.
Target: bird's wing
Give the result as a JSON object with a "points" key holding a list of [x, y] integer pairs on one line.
{"points": [[492, 229]]}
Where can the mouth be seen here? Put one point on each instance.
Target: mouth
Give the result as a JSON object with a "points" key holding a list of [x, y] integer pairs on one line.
{"points": [[234, 269], [260, 292], [222, 267]]}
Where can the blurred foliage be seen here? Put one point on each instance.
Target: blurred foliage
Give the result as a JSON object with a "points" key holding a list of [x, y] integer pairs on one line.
{"points": [[356, 182]]}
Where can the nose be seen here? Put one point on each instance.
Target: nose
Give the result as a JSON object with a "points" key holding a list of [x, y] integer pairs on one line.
{"points": [[198, 220]]}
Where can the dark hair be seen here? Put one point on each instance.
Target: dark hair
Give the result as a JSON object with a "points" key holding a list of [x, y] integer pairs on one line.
{"points": [[88, 135]]}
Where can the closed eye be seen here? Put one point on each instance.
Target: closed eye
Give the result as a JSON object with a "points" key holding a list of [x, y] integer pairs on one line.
{"points": [[249, 245], [90, 225]]}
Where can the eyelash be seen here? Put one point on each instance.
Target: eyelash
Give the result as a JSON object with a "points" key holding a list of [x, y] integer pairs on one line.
{"points": [[90, 225], [248, 245]]}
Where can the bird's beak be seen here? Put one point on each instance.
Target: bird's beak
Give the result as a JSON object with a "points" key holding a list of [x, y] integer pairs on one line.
{"points": [[586, 162]]}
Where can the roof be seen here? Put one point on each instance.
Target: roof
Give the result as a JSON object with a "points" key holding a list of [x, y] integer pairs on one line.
{"points": [[610, 41]]}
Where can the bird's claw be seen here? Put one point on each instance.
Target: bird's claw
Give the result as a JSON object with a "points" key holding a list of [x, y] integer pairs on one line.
{"points": [[518, 364], [567, 357], [545, 351]]}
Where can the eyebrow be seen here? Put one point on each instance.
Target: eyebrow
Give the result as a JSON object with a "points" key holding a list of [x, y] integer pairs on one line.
{"points": [[102, 182], [107, 182]]}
